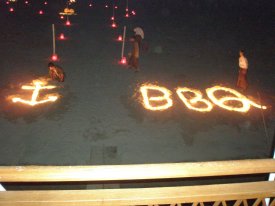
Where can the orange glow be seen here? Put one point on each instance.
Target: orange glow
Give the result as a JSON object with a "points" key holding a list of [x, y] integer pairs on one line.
{"points": [[235, 96], [192, 102], [147, 101], [223, 97], [36, 86]]}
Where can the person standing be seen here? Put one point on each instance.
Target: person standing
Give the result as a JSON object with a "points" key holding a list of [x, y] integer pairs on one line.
{"points": [[134, 55], [243, 67]]}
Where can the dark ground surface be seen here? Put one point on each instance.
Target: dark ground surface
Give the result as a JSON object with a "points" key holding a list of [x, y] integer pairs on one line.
{"points": [[99, 119]]}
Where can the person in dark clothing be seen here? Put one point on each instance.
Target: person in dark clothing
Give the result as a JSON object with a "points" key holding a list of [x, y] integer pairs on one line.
{"points": [[133, 57], [56, 72]]}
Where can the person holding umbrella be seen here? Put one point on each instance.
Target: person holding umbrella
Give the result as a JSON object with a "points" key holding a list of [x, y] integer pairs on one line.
{"points": [[133, 57]]}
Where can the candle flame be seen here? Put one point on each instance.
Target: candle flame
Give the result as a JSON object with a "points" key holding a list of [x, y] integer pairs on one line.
{"points": [[238, 97], [192, 103], [36, 86], [147, 100], [229, 99]]}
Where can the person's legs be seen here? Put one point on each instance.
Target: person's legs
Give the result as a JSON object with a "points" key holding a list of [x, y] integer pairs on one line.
{"points": [[135, 63], [242, 80]]}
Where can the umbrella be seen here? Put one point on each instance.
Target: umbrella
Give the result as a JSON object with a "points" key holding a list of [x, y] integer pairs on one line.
{"points": [[139, 31]]}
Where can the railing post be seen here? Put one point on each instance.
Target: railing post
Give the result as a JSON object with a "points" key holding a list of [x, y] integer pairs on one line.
{"points": [[271, 176], [2, 189]]}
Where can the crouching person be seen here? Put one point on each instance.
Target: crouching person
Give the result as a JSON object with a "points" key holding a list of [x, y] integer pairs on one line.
{"points": [[56, 72]]}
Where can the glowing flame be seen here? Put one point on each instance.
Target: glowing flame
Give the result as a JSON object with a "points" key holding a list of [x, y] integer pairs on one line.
{"points": [[61, 36], [192, 102], [123, 60], [238, 97], [147, 100], [54, 57], [119, 38], [114, 25], [229, 99], [36, 87]]}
